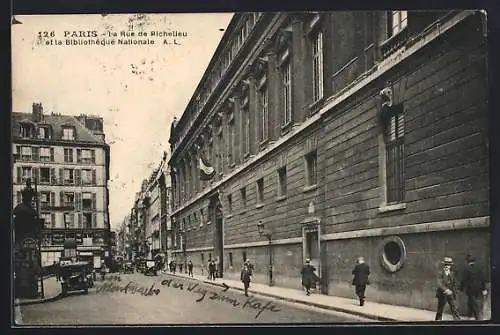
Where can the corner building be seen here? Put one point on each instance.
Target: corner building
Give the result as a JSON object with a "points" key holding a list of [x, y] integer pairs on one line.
{"points": [[344, 134], [69, 159]]}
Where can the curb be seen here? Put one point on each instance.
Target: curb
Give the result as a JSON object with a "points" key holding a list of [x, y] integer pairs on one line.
{"points": [[314, 304], [39, 301]]}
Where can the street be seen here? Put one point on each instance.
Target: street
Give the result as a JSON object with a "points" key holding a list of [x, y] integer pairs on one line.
{"points": [[164, 299]]}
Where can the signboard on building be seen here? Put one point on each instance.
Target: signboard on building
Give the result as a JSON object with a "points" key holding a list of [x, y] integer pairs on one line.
{"points": [[97, 262], [30, 243], [87, 241]]}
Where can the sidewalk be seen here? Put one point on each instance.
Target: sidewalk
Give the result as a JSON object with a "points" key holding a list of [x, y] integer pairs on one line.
{"points": [[371, 310], [52, 291]]}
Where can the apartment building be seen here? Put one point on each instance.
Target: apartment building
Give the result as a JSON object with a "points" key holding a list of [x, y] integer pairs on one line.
{"points": [[68, 158]]}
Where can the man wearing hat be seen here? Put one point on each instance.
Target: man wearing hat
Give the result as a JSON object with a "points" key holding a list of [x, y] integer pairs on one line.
{"points": [[308, 276], [474, 284], [361, 272], [446, 291]]}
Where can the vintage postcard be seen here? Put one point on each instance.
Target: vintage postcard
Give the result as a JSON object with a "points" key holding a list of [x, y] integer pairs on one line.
{"points": [[250, 168]]}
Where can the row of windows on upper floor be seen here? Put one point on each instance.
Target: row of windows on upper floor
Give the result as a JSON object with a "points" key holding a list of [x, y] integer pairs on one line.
{"points": [[392, 171], [30, 130], [47, 175], [46, 154], [225, 153], [246, 26], [397, 21]]}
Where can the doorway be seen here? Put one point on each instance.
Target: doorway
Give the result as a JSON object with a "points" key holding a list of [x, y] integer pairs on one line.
{"points": [[217, 218], [311, 248]]}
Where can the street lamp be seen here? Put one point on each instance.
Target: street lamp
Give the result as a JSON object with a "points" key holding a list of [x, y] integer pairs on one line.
{"points": [[268, 235]]}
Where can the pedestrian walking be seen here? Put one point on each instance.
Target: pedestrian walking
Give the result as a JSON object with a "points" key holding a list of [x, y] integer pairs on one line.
{"points": [[190, 268], [446, 290], [174, 266], [212, 269], [473, 282], [103, 271], [250, 266], [361, 272], [57, 271], [246, 278], [180, 267], [309, 278]]}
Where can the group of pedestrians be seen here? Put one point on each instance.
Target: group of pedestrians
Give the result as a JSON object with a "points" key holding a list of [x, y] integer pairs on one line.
{"points": [[472, 283], [172, 266]]}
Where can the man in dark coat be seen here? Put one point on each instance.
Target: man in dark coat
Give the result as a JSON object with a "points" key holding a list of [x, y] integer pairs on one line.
{"points": [[211, 270], [246, 277], [446, 291], [474, 284], [361, 272], [190, 268], [57, 271], [250, 266], [309, 278]]}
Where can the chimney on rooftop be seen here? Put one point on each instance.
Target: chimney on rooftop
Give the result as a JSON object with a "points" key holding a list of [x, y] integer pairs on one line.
{"points": [[37, 112]]}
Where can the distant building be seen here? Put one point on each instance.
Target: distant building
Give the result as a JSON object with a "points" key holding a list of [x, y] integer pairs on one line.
{"points": [[153, 233], [345, 134], [68, 158]]}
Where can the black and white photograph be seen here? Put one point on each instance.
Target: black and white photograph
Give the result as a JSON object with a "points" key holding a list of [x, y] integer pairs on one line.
{"points": [[250, 168]]}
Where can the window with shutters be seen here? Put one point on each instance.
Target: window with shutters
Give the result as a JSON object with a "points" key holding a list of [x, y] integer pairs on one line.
{"points": [[68, 133], [68, 220], [25, 130], [47, 219], [45, 154], [282, 182], [68, 175], [398, 21], [68, 155], [45, 198], [230, 203], [263, 109], [88, 156], [43, 132], [26, 173], [243, 194], [26, 153], [260, 191], [317, 58], [87, 201], [286, 87], [311, 168], [245, 113], [86, 176], [35, 154], [44, 175], [87, 220], [68, 199], [394, 143], [231, 141]]}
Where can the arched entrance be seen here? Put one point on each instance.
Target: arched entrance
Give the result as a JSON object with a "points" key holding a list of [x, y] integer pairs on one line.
{"points": [[216, 216]]}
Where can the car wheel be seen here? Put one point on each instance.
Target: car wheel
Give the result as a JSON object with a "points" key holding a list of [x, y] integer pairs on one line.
{"points": [[64, 289], [86, 291]]}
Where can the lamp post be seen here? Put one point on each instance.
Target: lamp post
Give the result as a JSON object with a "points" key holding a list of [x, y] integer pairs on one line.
{"points": [[268, 235]]}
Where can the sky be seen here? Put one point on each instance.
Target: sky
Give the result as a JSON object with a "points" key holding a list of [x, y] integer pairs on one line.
{"points": [[137, 89]]}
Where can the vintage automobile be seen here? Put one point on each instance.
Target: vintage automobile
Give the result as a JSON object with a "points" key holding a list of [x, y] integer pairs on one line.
{"points": [[140, 265], [128, 267], [151, 268], [74, 277]]}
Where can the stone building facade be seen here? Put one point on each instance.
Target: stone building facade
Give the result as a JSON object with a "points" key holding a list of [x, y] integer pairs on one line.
{"points": [[69, 159], [344, 134]]}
